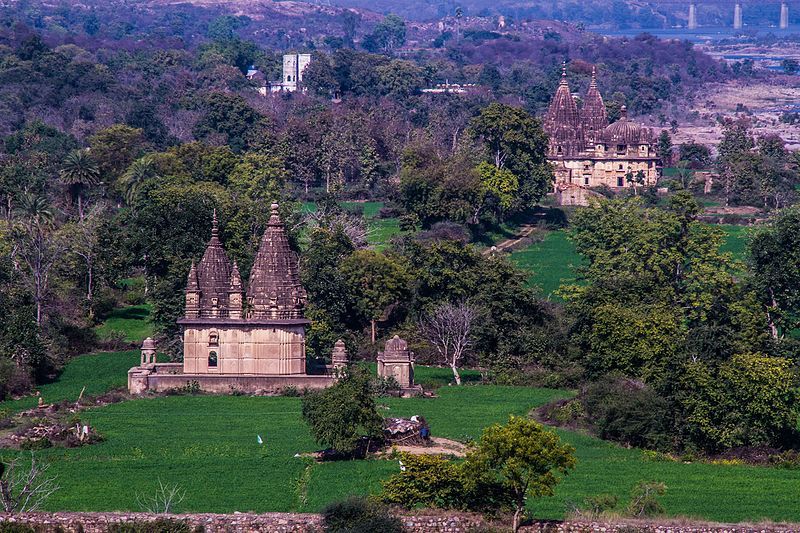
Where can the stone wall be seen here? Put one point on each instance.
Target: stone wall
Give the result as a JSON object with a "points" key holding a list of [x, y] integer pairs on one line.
{"points": [[428, 522], [225, 384]]}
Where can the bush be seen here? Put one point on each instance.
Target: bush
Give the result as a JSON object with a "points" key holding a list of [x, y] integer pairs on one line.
{"points": [[644, 499], [359, 515], [134, 297], [14, 380], [433, 481], [629, 412], [341, 416]]}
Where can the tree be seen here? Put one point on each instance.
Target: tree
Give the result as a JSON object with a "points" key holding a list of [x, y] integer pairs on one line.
{"points": [[389, 34], [228, 115], [78, 173], [525, 457], [774, 260], [790, 66], [115, 148], [84, 238], [400, 79], [664, 148], [377, 281], [516, 142], [24, 490], [139, 172], [449, 329], [344, 413], [39, 246], [697, 155]]}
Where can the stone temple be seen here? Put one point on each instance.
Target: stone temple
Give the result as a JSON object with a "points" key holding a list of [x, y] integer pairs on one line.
{"points": [[236, 338], [586, 151]]}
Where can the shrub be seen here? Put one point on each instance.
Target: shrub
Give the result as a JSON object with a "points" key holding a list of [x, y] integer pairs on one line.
{"points": [[341, 415], [629, 412], [433, 481], [644, 499], [14, 379], [359, 515]]}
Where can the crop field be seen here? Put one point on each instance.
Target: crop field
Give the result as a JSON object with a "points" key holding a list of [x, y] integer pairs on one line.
{"points": [[129, 321], [552, 261], [380, 230], [207, 445]]}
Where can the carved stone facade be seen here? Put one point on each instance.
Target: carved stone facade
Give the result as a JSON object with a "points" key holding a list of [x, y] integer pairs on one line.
{"points": [[588, 152], [229, 341], [397, 361]]}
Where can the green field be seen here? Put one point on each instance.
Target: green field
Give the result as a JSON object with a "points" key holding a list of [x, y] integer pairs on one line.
{"points": [[207, 444], [381, 230], [130, 321], [552, 261]]}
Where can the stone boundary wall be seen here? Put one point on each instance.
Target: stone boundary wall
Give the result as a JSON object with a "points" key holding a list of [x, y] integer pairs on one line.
{"points": [[428, 522]]}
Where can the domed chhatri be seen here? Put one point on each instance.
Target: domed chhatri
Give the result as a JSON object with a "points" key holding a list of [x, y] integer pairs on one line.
{"points": [[235, 339], [588, 152]]}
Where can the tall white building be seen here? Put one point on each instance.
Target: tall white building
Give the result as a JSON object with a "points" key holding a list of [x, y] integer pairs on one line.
{"points": [[293, 67]]}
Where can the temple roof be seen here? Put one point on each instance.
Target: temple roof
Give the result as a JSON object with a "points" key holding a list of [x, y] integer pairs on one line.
{"points": [[214, 271], [563, 112], [593, 112], [274, 290], [625, 131]]}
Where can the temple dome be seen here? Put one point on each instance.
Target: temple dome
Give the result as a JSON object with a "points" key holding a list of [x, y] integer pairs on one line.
{"points": [[214, 273], [625, 131], [274, 291]]}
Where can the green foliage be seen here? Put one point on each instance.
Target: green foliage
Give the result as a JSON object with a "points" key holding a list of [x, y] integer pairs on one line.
{"points": [[629, 413], [389, 35], [359, 515], [344, 413], [228, 115], [774, 259], [750, 400], [525, 458], [436, 482], [644, 499]]}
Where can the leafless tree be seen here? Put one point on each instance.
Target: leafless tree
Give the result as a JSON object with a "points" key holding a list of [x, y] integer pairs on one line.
{"points": [[24, 490], [39, 246], [355, 227], [449, 329], [163, 500], [84, 237]]}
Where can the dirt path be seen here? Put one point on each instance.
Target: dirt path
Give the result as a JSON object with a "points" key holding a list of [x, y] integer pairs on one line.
{"points": [[440, 447], [524, 231]]}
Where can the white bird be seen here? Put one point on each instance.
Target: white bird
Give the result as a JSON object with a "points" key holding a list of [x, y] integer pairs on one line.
{"points": [[260, 441], [402, 466]]}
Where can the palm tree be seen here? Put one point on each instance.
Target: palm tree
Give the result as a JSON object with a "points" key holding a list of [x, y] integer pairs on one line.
{"points": [[140, 171], [79, 172], [34, 208]]}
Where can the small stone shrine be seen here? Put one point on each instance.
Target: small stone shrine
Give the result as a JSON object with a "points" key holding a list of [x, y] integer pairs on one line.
{"points": [[230, 343], [397, 361], [339, 357]]}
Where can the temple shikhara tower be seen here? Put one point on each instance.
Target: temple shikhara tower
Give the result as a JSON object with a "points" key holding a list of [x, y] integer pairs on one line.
{"points": [[587, 152], [235, 338]]}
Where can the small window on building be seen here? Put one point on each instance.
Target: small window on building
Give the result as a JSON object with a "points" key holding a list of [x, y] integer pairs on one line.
{"points": [[586, 180], [212, 359], [213, 338], [620, 181], [620, 166], [215, 301], [559, 151], [621, 148]]}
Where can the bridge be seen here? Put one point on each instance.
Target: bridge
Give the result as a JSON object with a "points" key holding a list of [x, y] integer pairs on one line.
{"points": [[783, 22]]}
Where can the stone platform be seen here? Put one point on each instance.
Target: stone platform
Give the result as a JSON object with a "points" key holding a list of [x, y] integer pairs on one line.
{"points": [[161, 377]]}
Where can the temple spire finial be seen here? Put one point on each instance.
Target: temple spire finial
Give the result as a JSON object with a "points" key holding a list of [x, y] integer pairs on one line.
{"points": [[274, 217], [214, 224], [594, 76], [564, 72]]}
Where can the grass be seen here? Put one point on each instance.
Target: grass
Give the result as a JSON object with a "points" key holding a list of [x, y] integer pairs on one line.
{"points": [[99, 373], [132, 322], [736, 241], [381, 230], [551, 262], [207, 444]]}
